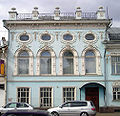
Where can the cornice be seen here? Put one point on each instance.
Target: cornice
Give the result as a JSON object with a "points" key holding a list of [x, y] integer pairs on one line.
{"points": [[36, 24]]}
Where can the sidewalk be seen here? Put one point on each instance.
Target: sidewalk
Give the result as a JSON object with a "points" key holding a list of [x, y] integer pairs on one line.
{"points": [[108, 114]]}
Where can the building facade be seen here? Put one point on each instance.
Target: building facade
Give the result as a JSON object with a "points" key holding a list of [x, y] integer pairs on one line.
{"points": [[3, 58], [53, 58]]}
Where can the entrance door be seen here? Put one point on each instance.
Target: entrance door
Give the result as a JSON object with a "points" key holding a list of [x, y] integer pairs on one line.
{"points": [[92, 94]]}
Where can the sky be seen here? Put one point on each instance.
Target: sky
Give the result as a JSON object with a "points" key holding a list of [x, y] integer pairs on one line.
{"points": [[112, 8]]}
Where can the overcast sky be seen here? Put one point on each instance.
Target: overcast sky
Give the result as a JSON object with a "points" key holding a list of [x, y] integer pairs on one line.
{"points": [[26, 6]]}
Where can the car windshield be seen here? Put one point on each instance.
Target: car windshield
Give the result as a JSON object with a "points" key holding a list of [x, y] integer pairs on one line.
{"points": [[10, 105]]}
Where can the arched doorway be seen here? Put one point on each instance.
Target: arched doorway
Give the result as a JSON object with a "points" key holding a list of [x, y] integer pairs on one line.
{"points": [[91, 93]]}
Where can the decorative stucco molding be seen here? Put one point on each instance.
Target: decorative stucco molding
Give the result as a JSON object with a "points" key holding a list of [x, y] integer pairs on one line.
{"points": [[90, 41], [76, 72], [68, 41], [98, 58], [30, 60], [24, 42], [53, 60]]}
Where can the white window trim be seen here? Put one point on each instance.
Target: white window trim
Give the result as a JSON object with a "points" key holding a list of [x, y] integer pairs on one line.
{"points": [[53, 61], [29, 93], [24, 42], [90, 41], [46, 41], [98, 63], [114, 55], [69, 87], [76, 72], [30, 61], [68, 41], [51, 95]]}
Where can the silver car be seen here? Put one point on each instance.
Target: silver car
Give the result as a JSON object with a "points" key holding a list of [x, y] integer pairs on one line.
{"points": [[74, 108], [15, 106]]}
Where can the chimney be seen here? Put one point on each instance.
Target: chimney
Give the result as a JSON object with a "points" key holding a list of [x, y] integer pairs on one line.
{"points": [[13, 14], [101, 13], [57, 13], [78, 13], [35, 13]]}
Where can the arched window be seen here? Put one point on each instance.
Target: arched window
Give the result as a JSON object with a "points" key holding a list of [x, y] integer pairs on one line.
{"points": [[90, 62], [68, 62], [23, 62], [45, 62]]}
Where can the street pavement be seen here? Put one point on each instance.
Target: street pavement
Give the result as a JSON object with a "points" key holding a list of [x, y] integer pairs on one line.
{"points": [[108, 114]]}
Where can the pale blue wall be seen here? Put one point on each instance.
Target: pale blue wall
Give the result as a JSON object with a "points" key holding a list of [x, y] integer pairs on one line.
{"points": [[57, 46]]}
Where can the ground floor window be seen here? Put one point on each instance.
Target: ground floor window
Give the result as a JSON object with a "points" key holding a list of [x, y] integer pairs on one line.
{"points": [[116, 93], [68, 94], [23, 94], [45, 97]]}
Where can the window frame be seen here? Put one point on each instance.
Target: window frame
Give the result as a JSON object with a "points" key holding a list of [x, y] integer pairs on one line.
{"points": [[48, 97], [115, 65], [29, 97], [66, 97], [46, 57], [15, 73], [89, 57], [53, 61], [24, 42], [68, 41], [116, 94], [46, 41], [68, 58], [90, 41], [22, 58]]}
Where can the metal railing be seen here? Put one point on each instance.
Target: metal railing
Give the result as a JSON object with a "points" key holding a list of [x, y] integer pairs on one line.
{"points": [[114, 36], [63, 16]]}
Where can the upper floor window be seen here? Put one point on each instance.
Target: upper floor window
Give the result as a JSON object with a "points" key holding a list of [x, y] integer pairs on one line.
{"points": [[67, 37], [89, 36], [115, 62], [45, 62], [23, 62], [46, 37], [90, 61], [68, 63], [24, 37]]}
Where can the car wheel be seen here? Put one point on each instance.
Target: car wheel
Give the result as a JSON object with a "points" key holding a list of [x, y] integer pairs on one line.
{"points": [[84, 114], [54, 114]]}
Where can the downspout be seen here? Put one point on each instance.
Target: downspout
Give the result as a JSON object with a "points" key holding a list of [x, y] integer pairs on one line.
{"points": [[105, 64], [105, 97], [7, 65]]}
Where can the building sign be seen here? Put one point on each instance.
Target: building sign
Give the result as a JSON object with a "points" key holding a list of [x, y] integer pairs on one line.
{"points": [[2, 67]]}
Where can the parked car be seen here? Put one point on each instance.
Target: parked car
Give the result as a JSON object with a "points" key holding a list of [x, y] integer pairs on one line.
{"points": [[26, 113], [16, 106], [74, 108]]}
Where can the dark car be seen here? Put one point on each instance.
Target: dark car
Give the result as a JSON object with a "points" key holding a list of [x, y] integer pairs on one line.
{"points": [[26, 113]]}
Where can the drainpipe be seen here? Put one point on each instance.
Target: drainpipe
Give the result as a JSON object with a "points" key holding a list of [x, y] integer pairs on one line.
{"points": [[105, 78]]}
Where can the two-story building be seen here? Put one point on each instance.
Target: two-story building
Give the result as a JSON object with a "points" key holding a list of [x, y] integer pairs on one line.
{"points": [[3, 58], [57, 57]]}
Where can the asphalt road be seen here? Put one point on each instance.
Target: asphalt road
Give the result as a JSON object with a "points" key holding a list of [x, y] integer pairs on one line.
{"points": [[108, 114]]}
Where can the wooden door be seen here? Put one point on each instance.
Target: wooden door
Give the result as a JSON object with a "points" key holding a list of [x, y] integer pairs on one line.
{"points": [[92, 94]]}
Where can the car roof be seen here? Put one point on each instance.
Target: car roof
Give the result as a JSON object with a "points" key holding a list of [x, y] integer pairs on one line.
{"points": [[77, 101]]}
